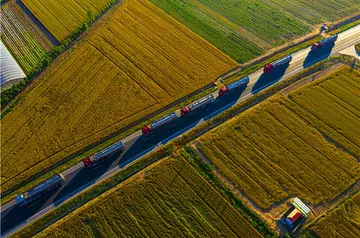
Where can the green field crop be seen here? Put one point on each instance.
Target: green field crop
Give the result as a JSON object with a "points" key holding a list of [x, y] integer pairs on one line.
{"points": [[342, 222], [138, 62], [271, 151], [168, 200], [20, 41], [245, 29]]}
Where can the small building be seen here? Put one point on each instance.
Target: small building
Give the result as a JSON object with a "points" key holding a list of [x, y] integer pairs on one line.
{"points": [[9, 69], [295, 216]]}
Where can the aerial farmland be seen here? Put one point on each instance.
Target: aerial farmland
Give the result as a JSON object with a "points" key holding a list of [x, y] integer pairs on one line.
{"points": [[204, 118], [246, 29], [286, 145], [106, 83], [170, 199]]}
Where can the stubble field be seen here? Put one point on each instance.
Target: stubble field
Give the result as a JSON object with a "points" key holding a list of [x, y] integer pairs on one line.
{"points": [[303, 145], [248, 28], [169, 200], [133, 64]]}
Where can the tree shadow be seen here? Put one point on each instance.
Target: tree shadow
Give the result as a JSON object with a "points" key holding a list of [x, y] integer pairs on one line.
{"points": [[315, 56], [268, 79]]}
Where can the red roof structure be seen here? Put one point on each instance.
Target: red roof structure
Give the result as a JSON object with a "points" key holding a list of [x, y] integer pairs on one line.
{"points": [[296, 216]]}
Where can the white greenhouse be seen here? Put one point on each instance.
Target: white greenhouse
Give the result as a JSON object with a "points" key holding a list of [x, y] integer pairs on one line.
{"points": [[10, 70]]}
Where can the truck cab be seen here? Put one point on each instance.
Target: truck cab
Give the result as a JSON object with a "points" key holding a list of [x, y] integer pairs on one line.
{"points": [[222, 91]]}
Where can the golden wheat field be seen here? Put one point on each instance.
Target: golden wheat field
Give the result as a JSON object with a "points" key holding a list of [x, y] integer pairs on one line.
{"points": [[168, 200], [133, 64], [344, 221], [62, 17], [274, 151]]}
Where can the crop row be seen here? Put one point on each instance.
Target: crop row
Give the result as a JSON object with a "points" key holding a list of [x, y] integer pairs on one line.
{"points": [[316, 12], [170, 199], [334, 102], [128, 68], [342, 222], [62, 17], [20, 41], [271, 152], [245, 29]]}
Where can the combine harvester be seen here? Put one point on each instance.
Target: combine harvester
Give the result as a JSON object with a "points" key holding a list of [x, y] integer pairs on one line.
{"points": [[35, 193], [228, 88], [149, 129], [197, 105], [99, 157], [277, 64], [323, 43]]}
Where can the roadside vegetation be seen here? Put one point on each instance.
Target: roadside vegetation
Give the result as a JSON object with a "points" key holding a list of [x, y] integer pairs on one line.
{"points": [[62, 17], [9, 94], [357, 47], [126, 69], [168, 199], [193, 158], [305, 144], [246, 29]]}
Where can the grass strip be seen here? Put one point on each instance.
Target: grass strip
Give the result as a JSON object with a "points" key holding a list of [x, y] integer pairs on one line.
{"points": [[9, 94], [167, 150]]}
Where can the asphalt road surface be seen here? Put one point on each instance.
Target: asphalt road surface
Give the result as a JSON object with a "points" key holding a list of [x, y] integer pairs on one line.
{"points": [[79, 178]]}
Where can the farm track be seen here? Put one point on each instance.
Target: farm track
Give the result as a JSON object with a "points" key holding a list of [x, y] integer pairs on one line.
{"points": [[79, 178], [169, 199], [281, 137], [107, 83], [62, 17], [230, 25], [341, 222]]}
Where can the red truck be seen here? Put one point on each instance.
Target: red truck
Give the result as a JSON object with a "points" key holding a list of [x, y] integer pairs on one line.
{"points": [[324, 43], [99, 157], [196, 105], [149, 129], [275, 65], [227, 88]]}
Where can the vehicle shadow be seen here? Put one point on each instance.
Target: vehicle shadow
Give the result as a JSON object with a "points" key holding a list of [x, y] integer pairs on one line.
{"points": [[83, 177], [143, 144], [14, 216], [268, 79], [315, 56]]}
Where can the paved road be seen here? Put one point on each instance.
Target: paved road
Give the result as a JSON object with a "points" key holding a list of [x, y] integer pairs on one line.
{"points": [[79, 178]]}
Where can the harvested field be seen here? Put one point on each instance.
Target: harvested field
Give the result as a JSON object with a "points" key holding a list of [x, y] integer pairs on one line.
{"points": [[342, 222], [273, 151], [20, 41], [246, 29], [62, 17], [168, 200], [132, 65]]}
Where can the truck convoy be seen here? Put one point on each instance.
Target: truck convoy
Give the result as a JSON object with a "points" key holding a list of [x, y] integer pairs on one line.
{"points": [[148, 129], [324, 43], [275, 65], [99, 157], [35, 193], [227, 88], [196, 105]]}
